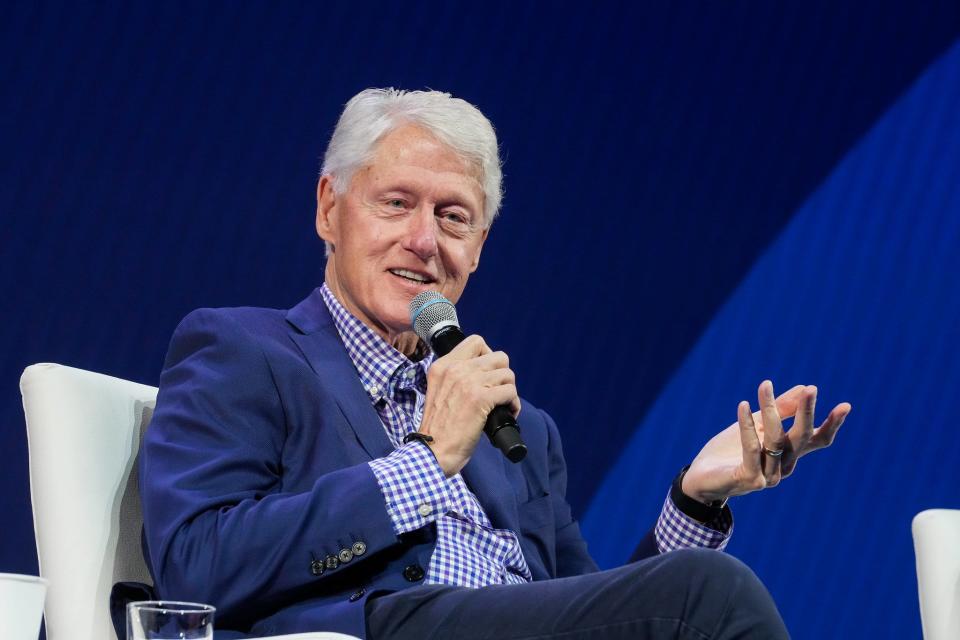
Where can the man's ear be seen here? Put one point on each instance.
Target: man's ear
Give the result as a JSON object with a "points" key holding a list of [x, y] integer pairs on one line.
{"points": [[326, 210], [476, 256]]}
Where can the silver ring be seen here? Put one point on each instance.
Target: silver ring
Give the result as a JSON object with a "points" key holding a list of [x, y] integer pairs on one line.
{"points": [[772, 453]]}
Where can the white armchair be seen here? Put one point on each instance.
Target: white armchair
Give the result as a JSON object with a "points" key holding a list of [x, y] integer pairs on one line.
{"points": [[84, 430], [936, 541]]}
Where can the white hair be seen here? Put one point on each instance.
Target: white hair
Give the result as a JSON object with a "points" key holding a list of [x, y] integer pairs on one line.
{"points": [[373, 113]]}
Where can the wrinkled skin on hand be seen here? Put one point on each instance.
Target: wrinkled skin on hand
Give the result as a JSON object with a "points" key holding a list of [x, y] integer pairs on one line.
{"points": [[734, 462]]}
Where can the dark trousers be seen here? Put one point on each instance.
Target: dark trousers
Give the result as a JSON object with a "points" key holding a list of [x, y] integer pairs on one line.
{"points": [[692, 594]]}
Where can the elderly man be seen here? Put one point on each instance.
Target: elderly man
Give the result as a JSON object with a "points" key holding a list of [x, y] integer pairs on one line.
{"points": [[281, 482]]}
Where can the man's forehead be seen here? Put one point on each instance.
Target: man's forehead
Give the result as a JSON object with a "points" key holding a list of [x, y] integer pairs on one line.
{"points": [[410, 156], [411, 145]]}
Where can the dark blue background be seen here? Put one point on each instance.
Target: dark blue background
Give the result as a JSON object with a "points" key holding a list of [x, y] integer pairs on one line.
{"points": [[735, 190]]}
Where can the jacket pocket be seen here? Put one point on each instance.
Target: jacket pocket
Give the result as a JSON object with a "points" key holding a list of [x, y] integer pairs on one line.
{"points": [[536, 513]]}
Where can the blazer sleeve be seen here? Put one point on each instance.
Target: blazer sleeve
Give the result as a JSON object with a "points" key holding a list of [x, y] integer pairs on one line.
{"points": [[218, 525]]}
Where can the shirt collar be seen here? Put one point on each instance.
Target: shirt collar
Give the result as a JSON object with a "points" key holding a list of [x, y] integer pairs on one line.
{"points": [[381, 367]]}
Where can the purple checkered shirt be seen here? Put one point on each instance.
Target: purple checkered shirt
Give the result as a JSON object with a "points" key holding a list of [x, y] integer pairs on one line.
{"points": [[469, 552]]}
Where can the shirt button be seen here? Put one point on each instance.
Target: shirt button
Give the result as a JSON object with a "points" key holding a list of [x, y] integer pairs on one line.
{"points": [[424, 510], [410, 374], [374, 389], [359, 548]]}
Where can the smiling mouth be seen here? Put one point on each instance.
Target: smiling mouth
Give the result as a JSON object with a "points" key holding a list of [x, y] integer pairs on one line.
{"points": [[411, 276]]}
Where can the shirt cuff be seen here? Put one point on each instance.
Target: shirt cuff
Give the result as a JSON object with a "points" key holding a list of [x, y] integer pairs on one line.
{"points": [[413, 486], [676, 530]]}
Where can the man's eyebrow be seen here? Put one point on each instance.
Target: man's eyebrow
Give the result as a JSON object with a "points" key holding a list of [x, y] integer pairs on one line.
{"points": [[455, 200], [387, 188], [473, 210], [445, 197]]}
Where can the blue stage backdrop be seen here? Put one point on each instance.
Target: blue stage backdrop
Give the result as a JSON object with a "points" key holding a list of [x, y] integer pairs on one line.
{"points": [[737, 190]]}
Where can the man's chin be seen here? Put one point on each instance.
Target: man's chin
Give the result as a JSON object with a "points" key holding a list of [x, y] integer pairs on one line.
{"points": [[395, 320]]}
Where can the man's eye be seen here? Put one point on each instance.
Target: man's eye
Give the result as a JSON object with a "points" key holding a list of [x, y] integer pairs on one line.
{"points": [[395, 202], [454, 217]]}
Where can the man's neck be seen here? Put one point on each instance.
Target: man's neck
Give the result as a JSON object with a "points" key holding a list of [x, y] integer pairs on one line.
{"points": [[410, 345], [407, 342]]}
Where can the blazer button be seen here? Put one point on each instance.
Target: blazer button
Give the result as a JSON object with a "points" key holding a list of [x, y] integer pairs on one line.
{"points": [[316, 568], [345, 555], [413, 573], [332, 562], [357, 595], [359, 548]]}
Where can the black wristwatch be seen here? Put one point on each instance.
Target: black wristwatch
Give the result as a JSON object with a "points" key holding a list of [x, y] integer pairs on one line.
{"points": [[694, 508]]}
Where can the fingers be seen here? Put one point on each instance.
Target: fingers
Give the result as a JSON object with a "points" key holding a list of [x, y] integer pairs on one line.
{"points": [[773, 438], [471, 355], [502, 386], [515, 406], [497, 377], [749, 440], [491, 361], [504, 394], [475, 350], [801, 432], [789, 401], [471, 347], [799, 402], [803, 422], [824, 434], [483, 375], [787, 405]]}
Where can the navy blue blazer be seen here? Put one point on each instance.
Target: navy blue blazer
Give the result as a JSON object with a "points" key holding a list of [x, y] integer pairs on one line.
{"points": [[255, 466]]}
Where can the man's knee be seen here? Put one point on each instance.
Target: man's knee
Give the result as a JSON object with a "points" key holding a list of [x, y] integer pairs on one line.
{"points": [[700, 574], [707, 565], [724, 584]]}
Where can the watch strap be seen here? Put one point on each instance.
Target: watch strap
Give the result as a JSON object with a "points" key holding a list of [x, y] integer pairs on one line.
{"points": [[694, 508]]}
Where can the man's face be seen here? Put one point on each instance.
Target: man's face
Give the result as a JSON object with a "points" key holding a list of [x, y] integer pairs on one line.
{"points": [[410, 221]]}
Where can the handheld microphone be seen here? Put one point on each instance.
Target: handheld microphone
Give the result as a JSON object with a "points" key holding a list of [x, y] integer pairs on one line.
{"points": [[434, 318]]}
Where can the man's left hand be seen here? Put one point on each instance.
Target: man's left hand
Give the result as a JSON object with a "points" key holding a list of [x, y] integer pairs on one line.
{"points": [[743, 457]]}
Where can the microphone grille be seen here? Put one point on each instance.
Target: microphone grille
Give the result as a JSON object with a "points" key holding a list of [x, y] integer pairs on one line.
{"points": [[427, 310]]}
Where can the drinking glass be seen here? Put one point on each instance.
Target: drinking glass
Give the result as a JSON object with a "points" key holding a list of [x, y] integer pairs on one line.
{"points": [[166, 620]]}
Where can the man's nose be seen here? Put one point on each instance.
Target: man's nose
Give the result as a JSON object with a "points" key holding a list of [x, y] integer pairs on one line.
{"points": [[421, 236]]}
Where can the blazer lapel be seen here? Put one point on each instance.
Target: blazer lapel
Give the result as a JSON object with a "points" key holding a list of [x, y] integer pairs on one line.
{"points": [[320, 344]]}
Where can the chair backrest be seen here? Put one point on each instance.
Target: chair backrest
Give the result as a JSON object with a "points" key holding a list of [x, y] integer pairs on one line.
{"points": [[84, 430], [936, 540]]}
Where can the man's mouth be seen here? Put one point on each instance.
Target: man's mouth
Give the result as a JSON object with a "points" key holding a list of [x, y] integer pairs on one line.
{"points": [[412, 276]]}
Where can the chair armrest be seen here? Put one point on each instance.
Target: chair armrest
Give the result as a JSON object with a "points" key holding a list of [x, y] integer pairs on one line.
{"points": [[936, 541]]}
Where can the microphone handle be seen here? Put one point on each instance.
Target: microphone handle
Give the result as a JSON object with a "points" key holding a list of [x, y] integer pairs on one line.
{"points": [[501, 427], [445, 339]]}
